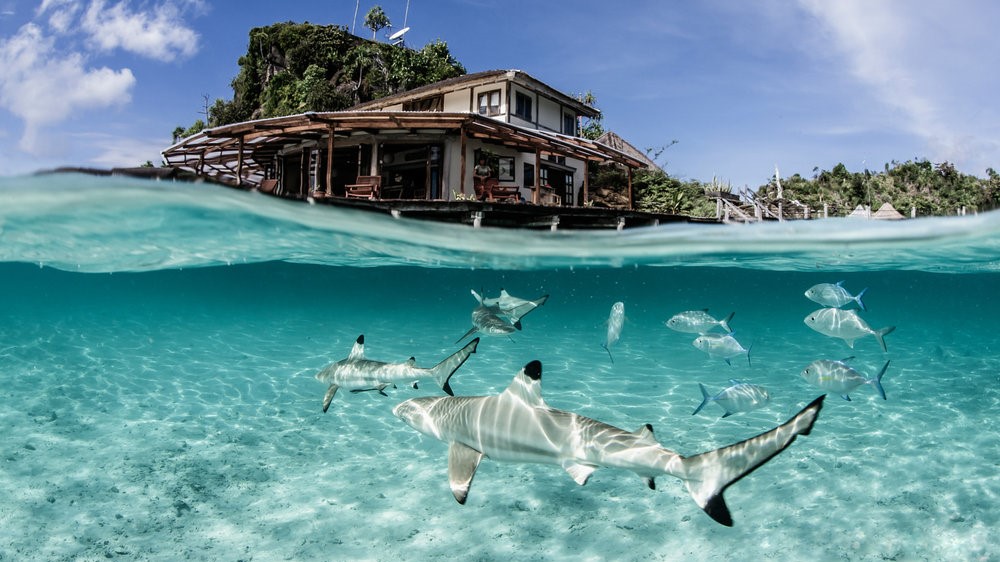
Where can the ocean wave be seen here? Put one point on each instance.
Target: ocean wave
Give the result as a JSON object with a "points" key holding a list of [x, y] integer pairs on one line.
{"points": [[110, 224]]}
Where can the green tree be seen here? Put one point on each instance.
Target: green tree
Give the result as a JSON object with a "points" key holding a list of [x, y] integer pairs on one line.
{"points": [[592, 127], [376, 20]]}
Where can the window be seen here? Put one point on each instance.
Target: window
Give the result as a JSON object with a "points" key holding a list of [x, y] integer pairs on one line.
{"points": [[522, 106], [489, 103], [569, 124]]}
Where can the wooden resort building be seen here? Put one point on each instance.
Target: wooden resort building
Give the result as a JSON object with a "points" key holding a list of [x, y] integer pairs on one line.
{"points": [[414, 154]]}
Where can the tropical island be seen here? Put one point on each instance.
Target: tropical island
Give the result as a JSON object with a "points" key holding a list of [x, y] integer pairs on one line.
{"points": [[294, 69]]}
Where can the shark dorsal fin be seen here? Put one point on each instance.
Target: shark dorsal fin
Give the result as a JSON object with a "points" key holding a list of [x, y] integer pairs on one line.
{"points": [[358, 351], [527, 385], [645, 434], [411, 361], [504, 293]]}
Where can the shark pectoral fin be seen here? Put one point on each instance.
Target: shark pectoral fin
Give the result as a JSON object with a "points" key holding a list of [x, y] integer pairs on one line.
{"points": [[462, 464], [328, 397], [579, 472], [467, 334], [650, 482]]}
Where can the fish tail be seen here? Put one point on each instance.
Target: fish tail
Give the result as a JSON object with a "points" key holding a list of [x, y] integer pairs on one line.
{"points": [[608, 349], [880, 334], [725, 322], [877, 381], [709, 474], [443, 371], [706, 398], [857, 299]]}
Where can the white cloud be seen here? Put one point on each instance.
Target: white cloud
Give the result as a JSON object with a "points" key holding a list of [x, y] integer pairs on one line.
{"points": [[43, 87], [923, 63], [160, 35]]}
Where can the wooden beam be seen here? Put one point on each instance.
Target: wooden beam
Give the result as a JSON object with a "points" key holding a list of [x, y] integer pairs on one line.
{"points": [[461, 176], [329, 160], [629, 168], [536, 197]]}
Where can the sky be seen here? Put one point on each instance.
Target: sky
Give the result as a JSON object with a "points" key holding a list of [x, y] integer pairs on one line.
{"points": [[719, 89]]}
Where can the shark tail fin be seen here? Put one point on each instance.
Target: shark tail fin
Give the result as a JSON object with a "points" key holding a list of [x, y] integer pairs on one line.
{"points": [[709, 474], [877, 381], [706, 398], [725, 322], [880, 335], [442, 372]]}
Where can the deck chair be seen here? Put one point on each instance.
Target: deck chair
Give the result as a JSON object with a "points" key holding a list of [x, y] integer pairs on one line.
{"points": [[510, 193], [367, 187], [268, 186]]}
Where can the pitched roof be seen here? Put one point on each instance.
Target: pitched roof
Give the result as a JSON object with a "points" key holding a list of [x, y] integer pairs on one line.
{"points": [[611, 139], [479, 79], [887, 211]]}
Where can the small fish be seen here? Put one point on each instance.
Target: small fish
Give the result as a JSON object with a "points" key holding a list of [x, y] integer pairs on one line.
{"points": [[698, 322], [615, 322], [838, 377], [834, 294], [846, 325], [721, 345], [735, 398]]}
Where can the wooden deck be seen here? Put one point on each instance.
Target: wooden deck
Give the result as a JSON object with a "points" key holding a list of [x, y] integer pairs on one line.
{"points": [[512, 215]]}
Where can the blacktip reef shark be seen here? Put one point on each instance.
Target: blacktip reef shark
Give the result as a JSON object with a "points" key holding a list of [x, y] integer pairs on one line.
{"points": [[358, 374], [489, 320], [518, 426], [513, 308]]}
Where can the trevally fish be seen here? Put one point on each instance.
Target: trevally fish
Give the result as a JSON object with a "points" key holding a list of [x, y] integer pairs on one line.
{"points": [[838, 377], [698, 322], [834, 294], [518, 426], [735, 398], [846, 325], [358, 374], [489, 321], [721, 345], [615, 322], [511, 307]]}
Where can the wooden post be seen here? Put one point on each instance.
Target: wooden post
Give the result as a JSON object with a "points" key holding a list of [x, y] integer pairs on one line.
{"points": [[329, 161], [629, 187], [536, 197], [586, 182], [461, 171], [239, 163]]}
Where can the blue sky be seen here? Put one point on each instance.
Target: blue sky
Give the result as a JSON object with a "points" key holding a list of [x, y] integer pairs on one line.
{"points": [[741, 86]]}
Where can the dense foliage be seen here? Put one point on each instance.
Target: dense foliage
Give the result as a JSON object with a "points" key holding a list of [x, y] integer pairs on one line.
{"points": [[931, 189], [292, 68]]}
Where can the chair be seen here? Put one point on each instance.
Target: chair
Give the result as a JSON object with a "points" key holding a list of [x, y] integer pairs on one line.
{"points": [[268, 186], [367, 187], [506, 193], [484, 187]]}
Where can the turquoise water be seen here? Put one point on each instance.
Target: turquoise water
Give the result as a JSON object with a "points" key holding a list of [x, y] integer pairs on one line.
{"points": [[158, 343]]}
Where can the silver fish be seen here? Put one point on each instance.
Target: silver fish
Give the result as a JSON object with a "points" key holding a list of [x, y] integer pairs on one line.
{"points": [[698, 322], [735, 398], [721, 345], [615, 322], [846, 325], [358, 374], [834, 294], [518, 426], [838, 377]]}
